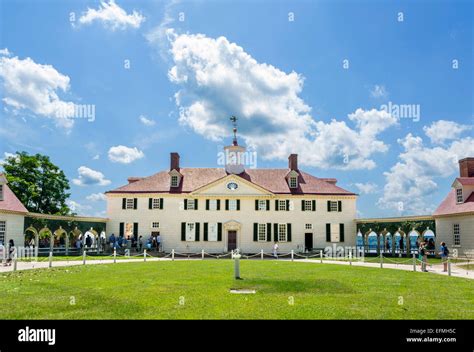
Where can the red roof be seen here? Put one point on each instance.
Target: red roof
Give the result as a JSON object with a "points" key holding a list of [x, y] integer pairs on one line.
{"points": [[449, 206], [466, 181], [272, 180], [10, 202]]}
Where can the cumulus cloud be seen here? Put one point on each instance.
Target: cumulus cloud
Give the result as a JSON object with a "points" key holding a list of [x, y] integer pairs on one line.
{"points": [[218, 78], [5, 52], [96, 197], [33, 86], [124, 155], [89, 177], [441, 131], [410, 181], [146, 121], [366, 188], [378, 91], [112, 17], [77, 207]]}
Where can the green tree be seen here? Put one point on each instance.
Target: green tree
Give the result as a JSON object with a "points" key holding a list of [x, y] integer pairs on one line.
{"points": [[39, 184]]}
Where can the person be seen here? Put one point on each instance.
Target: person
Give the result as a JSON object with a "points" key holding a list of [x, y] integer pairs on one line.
{"points": [[88, 241], [401, 244], [444, 252], [387, 245], [2, 253], [422, 256], [140, 244], [112, 241], [158, 242], [11, 251], [275, 250]]}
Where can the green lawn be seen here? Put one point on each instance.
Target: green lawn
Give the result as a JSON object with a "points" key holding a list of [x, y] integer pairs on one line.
{"points": [[200, 289]]}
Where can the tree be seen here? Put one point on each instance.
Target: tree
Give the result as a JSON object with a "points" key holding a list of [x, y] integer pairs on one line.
{"points": [[39, 184]]}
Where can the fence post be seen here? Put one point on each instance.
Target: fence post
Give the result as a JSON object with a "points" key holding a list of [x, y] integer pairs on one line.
{"points": [[381, 260], [50, 259], [84, 257], [202, 254], [115, 255], [321, 256], [414, 262], [261, 254], [172, 254], [449, 267], [144, 255], [350, 257], [14, 262], [292, 254]]}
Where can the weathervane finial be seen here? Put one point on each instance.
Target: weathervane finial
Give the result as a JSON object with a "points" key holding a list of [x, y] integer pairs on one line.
{"points": [[234, 123]]}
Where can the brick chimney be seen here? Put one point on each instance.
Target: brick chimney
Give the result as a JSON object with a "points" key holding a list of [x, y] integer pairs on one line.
{"points": [[174, 161], [466, 167], [134, 179], [293, 162]]}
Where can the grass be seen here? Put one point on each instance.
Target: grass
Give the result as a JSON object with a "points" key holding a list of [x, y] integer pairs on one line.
{"points": [[200, 290]]}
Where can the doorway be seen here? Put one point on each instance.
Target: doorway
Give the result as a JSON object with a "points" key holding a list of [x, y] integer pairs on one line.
{"points": [[308, 242], [231, 240]]}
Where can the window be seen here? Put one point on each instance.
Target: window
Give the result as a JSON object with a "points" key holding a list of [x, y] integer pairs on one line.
{"points": [[130, 203], [262, 232], [3, 228], [262, 204], [457, 234], [459, 195], [174, 181], [293, 182], [282, 232], [308, 205], [190, 205], [213, 204], [333, 206], [1, 192], [212, 232], [232, 204], [282, 205], [155, 225], [335, 235], [190, 227], [155, 203], [308, 226]]}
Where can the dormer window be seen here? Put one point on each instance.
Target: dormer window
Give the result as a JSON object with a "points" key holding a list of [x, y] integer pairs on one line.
{"points": [[1, 192], [293, 180], [459, 198], [174, 181]]}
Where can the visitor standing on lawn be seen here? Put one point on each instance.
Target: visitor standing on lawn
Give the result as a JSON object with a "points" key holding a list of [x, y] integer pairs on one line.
{"points": [[444, 256]]}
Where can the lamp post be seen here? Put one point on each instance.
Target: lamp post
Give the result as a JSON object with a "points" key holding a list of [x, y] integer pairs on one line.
{"points": [[237, 264]]}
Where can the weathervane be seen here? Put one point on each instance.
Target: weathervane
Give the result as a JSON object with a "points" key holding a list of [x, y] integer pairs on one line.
{"points": [[234, 123]]}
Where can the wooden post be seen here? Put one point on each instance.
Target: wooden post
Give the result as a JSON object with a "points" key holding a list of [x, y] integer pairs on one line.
{"points": [[115, 255], [202, 254], [381, 260], [292, 255], [414, 262], [449, 267], [261, 254], [14, 262], [172, 254], [50, 259], [84, 257], [321, 256], [144, 255], [350, 257]]}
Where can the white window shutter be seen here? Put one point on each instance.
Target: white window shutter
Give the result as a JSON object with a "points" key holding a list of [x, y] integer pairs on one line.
{"points": [[292, 205]]}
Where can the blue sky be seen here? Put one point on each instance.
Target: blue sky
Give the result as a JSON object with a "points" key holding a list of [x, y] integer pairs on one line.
{"points": [[279, 66]]}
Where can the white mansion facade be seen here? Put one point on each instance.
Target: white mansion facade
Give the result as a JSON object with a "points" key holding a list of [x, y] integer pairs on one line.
{"points": [[220, 209]]}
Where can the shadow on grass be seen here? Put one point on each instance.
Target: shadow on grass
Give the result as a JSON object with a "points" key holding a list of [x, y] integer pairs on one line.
{"points": [[317, 286]]}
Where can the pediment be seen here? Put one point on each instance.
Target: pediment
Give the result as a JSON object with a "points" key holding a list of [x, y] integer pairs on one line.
{"points": [[226, 187]]}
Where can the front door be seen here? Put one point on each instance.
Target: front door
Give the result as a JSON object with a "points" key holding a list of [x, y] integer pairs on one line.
{"points": [[308, 241], [231, 240]]}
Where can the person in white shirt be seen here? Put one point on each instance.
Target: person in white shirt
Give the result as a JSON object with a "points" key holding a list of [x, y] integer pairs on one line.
{"points": [[275, 250]]}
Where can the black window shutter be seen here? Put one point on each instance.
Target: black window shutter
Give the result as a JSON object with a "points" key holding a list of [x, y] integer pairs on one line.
{"points": [[135, 229], [219, 231], [313, 205], [135, 201], [218, 204], [195, 204], [287, 205], [256, 204], [275, 232], [269, 232], [124, 203], [161, 203], [329, 205], [185, 204], [339, 205], [255, 232], [341, 232], [302, 205], [150, 203], [196, 232], [205, 231], [268, 204], [183, 231], [226, 204], [207, 204], [276, 204], [288, 232], [328, 232], [238, 204], [121, 229]]}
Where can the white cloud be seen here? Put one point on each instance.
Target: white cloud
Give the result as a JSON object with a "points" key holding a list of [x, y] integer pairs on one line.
{"points": [[124, 155], [96, 157], [146, 121], [378, 91], [218, 78], [89, 177], [32, 86], [96, 197], [441, 131], [112, 16], [77, 207], [5, 52], [411, 181], [366, 188]]}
